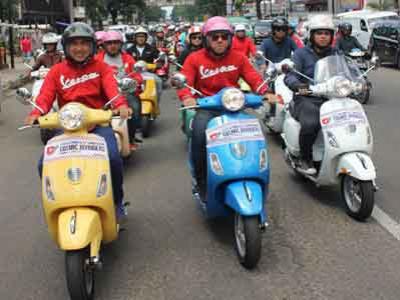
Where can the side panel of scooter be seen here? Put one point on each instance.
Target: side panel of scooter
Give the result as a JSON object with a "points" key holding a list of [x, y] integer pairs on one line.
{"points": [[79, 227], [358, 165], [147, 107], [81, 191], [345, 129], [245, 197], [234, 168], [291, 132]]}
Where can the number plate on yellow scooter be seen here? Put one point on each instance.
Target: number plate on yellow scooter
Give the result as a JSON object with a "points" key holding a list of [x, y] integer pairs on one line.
{"points": [[91, 147]]}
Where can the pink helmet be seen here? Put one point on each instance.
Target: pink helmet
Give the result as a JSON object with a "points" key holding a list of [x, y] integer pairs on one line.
{"points": [[113, 36], [217, 24], [99, 36]]}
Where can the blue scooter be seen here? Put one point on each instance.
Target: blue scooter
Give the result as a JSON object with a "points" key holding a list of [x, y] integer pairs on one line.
{"points": [[237, 168]]}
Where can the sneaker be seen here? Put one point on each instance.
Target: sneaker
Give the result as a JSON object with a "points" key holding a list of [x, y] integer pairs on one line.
{"points": [[137, 140], [121, 210], [307, 167]]}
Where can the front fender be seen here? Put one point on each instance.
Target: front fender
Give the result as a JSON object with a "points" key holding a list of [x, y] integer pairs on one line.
{"points": [[79, 227], [357, 164], [245, 197], [147, 107]]}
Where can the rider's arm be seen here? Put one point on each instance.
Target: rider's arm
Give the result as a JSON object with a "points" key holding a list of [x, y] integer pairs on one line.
{"points": [[47, 93], [110, 86], [252, 47], [292, 80], [39, 62], [189, 70], [358, 45]]}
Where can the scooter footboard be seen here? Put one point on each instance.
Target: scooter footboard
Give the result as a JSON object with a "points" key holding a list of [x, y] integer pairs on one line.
{"points": [[79, 227], [245, 197], [359, 165]]}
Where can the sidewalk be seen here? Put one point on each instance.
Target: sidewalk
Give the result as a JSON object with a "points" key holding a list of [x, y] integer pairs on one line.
{"points": [[12, 78]]}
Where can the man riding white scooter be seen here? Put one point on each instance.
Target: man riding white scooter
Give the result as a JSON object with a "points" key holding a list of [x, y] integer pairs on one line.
{"points": [[81, 78], [307, 108], [209, 70], [51, 56]]}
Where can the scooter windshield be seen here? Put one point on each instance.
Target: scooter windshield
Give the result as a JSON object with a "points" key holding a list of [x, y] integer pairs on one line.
{"points": [[332, 66]]}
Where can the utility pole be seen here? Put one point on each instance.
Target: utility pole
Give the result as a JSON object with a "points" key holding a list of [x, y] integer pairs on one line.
{"points": [[71, 11], [10, 34]]}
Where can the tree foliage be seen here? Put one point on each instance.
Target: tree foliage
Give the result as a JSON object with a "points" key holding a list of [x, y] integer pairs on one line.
{"points": [[211, 8], [154, 13], [8, 10], [185, 12]]}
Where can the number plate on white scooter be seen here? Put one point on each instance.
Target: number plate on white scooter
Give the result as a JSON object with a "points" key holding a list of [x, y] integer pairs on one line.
{"points": [[343, 117], [233, 132], [91, 147]]}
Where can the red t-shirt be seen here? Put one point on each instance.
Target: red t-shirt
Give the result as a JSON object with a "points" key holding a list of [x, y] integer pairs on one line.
{"points": [[209, 75], [245, 45], [92, 85], [26, 45]]}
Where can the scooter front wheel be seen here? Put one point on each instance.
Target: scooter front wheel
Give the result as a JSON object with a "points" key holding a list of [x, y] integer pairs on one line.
{"points": [[79, 274], [358, 197], [248, 240]]}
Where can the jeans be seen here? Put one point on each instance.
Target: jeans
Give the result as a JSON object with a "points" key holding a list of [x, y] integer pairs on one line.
{"points": [[198, 147], [135, 122], [307, 113], [115, 162]]}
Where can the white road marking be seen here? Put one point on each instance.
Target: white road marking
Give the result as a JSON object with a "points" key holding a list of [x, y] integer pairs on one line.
{"points": [[386, 222]]}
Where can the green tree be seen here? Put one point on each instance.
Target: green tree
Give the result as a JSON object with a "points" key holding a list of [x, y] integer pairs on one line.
{"points": [[8, 10], [153, 13], [96, 11], [186, 12], [383, 5], [212, 8]]}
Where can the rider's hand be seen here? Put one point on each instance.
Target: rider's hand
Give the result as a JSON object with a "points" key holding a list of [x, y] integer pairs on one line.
{"points": [[190, 102], [303, 89], [30, 120], [270, 97], [123, 112]]}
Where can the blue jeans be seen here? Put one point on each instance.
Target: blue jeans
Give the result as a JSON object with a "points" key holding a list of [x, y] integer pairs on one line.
{"points": [[115, 162]]}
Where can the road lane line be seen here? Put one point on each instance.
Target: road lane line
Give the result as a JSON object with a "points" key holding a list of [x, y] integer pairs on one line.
{"points": [[386, 222]]}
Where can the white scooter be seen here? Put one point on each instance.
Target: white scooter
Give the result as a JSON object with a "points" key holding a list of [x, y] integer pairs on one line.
{"points": [[342, 151]]}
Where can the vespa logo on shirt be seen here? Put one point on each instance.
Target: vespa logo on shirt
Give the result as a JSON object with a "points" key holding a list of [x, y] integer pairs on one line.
{"points": [[70, 82], [206, 73]]}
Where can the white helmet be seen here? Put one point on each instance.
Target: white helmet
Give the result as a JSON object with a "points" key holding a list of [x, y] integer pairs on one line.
{"points": [[171, 27], [141, 30], [240, 27], [50, 38], [321, 22]]}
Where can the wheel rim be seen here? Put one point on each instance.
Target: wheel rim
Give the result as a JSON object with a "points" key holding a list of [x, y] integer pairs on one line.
{"points": [[240, 235], [89, 278], [352, 194]]}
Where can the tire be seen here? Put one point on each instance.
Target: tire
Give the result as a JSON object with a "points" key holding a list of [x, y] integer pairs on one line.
{"points": [[46, 135], [247, 233], [146, 124], [80, 277], [358, 197], [363, 98]]}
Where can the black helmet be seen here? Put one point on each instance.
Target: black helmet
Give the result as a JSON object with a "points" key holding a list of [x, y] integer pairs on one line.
{"points": [[78, 30], [280, 23], [346, 28], [130, 36]]}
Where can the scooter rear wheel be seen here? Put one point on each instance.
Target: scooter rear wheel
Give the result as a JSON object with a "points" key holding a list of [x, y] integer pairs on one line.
{"points": [[146, 124], [358, 197], [247, 240], [79, 274]]}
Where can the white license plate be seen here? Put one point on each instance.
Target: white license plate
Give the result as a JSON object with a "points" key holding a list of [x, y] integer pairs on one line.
{"points": [[90, 147], [233, 132]]}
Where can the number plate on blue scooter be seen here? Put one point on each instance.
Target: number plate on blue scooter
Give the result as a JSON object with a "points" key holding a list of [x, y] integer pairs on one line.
{"points": [[233, 132]]}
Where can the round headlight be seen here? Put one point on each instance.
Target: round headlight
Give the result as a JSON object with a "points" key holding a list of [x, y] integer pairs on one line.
{"points": [[358, 87], [71, 117], [342, 87], [233, 99]]}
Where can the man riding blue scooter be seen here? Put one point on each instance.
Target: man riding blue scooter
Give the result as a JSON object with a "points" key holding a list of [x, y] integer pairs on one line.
{"points": [[228, 152]]}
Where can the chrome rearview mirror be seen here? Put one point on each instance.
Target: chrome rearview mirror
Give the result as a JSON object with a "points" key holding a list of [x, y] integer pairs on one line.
{"points": [[375, 61], [285, 66], [127, 85], [172, 58], [23, 95], [178, 80], [259, 54], [271, 72]]}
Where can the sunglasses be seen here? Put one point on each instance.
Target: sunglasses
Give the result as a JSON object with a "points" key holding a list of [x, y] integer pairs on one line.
{"points": [[322, 32], [216, 36], [195, 37]]}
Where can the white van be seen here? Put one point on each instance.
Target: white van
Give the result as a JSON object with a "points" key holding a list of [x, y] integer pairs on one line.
{"points": [[363, 22]]}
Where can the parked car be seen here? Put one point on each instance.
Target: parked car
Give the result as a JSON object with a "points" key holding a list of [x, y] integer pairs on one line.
{"points": [[363, 22], [262, 29], [385, 42]]}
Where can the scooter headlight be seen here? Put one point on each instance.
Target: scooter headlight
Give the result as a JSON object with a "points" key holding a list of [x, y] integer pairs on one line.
{"points": [[102, 186], [342, 87], [71, 116], [233, 99]]}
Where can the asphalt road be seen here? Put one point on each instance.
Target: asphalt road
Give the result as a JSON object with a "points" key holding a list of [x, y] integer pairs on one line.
{"points": [[311, 250]]}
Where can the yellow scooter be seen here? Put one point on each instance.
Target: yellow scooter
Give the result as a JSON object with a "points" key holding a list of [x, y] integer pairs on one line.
{"points": [[76, 191], [149, 96]]}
